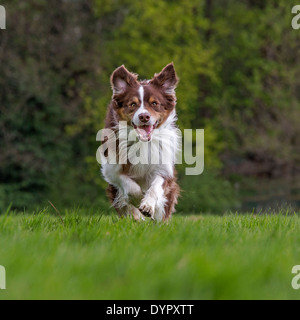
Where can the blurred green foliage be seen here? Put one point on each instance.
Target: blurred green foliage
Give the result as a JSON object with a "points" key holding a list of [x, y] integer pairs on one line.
{"points": [[237, 62]]}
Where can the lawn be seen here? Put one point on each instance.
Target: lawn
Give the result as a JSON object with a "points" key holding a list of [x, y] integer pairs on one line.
{"points": [[94, 256]]}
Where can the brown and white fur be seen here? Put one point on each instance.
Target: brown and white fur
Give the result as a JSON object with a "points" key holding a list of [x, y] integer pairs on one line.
{"points": [[147, 107]]}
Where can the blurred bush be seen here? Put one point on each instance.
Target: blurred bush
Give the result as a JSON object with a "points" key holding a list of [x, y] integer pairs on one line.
{"points": [[44, 70], [206, 193]]}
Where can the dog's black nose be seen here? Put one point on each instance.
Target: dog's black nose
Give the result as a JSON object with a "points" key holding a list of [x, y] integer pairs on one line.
{"points": [[144, 117]]}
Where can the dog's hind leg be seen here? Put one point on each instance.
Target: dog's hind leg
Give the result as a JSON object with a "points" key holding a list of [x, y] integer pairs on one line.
{"points": [[172, 192]]}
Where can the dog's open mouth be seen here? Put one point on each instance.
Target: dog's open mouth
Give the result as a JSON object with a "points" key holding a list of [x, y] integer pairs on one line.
{"points": [[145, 132]]}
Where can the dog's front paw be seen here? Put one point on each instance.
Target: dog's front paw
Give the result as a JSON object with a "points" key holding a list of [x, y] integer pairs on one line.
{"points": [[147, 208]]}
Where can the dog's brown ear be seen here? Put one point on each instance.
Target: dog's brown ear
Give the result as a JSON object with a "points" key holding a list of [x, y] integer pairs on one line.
{"points": [[166, 79], [121, 78]]}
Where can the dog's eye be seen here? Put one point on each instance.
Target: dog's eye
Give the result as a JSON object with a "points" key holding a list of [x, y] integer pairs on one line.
{"points": [[133, 105], [154, 104]]}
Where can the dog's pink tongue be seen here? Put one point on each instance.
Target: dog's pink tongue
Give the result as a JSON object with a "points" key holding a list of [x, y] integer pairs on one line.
{"points": [[148, 129]]}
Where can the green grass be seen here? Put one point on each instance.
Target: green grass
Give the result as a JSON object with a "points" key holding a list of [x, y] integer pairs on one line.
{"points": [[192, 257]]}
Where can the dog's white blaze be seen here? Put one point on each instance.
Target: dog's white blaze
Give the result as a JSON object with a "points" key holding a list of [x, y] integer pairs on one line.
{"points": [[141, 109], [141, 92]]}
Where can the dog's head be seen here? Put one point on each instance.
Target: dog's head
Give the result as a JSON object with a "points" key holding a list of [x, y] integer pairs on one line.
{"points": [[144, 105]]}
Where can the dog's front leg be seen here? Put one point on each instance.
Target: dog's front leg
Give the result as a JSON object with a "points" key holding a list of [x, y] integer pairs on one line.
{"points": [[154, 200], [113, 175], [129, 187], [125, 192], [129, 195]]}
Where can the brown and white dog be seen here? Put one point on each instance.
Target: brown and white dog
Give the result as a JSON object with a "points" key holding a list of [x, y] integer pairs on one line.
{"points": [[148, 109]]}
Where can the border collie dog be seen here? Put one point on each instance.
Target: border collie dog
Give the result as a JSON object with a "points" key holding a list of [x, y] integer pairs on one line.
{"points": [[146, 110]]}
